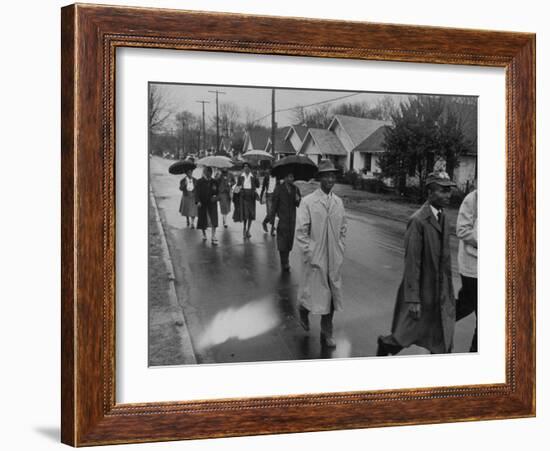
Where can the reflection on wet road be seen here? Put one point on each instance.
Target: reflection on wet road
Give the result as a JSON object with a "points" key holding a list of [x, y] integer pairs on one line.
{"points": [[240, 307], [249, 321]]}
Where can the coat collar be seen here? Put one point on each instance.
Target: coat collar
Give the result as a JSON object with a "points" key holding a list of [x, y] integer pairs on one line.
{"points": [[427, 213]]}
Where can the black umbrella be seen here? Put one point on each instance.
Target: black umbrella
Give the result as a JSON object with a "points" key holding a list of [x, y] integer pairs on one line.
{"points": [[302, 167], [237, 164], [181, 167]]}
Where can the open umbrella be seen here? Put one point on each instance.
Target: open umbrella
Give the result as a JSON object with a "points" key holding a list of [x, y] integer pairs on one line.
{"points": [[256, 156], [216, 161], [181, 167], [237, 164], [302, 167]]}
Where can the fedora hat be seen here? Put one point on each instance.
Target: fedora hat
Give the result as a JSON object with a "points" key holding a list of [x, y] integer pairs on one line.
{"points": [[326, 166]]}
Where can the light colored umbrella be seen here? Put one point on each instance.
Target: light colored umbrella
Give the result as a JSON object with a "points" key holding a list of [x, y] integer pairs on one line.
{"points": [[258, 155], [215, 161], [197, 172]]}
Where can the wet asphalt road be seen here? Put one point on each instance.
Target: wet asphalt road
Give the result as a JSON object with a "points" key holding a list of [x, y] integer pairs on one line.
{"points": [[239, 307]]}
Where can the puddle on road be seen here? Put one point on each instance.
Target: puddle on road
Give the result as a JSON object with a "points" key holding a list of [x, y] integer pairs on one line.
{"points": [[248, 321]]}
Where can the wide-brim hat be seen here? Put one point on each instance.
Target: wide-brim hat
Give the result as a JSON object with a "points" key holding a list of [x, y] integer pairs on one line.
{"points": [[326, 166], [440, 178]]}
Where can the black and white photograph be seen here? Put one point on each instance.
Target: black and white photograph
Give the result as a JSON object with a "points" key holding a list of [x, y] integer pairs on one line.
{"points": [[294, 224]]}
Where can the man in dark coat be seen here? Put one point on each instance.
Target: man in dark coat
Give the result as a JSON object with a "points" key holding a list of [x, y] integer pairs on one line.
{"points": [[206, 193], [424, 312], [286, 198]]}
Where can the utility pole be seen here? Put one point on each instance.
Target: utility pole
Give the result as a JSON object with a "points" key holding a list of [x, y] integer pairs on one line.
{"points": [[217, 120], [182, 153], [273, 123], [203, 128]]}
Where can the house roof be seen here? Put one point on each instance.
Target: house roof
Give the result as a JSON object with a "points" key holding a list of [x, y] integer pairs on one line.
{"points": [[373, 142], [357, 128], [300, 130], [281, 144], [283, 147], [258, 138], [327, 142], [226, 142]]}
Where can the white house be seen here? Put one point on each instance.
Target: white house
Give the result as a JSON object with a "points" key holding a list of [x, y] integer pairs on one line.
{"points": [[255, 140], [295, 136], [283, 147], [352, 131], [367, 153], [320, 143]]}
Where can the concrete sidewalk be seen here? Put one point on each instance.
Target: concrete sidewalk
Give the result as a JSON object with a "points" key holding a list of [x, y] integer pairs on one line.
{"points": [[169, 339]]}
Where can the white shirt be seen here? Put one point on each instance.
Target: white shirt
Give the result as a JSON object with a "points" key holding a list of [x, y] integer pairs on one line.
{"points": [[435, 211], [466, 232], [190, 184], [247, 181], [272, 184]]}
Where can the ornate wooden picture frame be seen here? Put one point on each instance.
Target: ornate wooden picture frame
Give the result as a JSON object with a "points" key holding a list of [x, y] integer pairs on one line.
{"points": [[90, 37]]}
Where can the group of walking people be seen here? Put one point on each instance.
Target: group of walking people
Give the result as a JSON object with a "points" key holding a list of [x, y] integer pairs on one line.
{"points": [[200, 199], [426, 310]]}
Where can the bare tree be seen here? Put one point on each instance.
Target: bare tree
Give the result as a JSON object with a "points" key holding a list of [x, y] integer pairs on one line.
{"points": [[251, 117], [229, 116], [158, 108], [357, 109], [385, 108], [318, 117], [158, 112], [187, 125], [299, 115]]}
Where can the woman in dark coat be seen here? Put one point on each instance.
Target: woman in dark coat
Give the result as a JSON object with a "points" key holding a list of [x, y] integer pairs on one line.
{"points": [[286, 198], [188, 207], [225, 180], [236, 196], [207, 203], [247, 184]]}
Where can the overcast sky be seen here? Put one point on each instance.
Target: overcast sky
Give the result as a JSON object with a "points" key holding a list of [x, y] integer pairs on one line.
{"points": [[185, 97]]}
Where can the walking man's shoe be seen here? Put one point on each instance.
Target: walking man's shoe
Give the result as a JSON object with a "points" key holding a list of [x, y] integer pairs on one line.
{"points": [[304, 318], [329, 342], [385, 348]]}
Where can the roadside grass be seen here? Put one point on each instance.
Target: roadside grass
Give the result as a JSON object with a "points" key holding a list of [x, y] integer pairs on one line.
{"points": [[381, 204]]}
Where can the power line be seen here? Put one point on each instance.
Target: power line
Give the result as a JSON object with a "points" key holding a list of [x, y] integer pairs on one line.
{"points": [[307, 106]]}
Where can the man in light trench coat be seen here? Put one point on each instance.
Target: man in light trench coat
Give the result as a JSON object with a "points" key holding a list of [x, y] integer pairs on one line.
{"points": [[424, 312], [320, 234]]}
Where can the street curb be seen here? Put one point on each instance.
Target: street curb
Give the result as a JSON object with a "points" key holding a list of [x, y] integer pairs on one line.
{"points": [[178, 318]]}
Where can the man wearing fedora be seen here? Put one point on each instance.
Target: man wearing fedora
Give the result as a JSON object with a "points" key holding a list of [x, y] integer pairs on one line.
{"points": [[320, 234], [424, 312]]}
